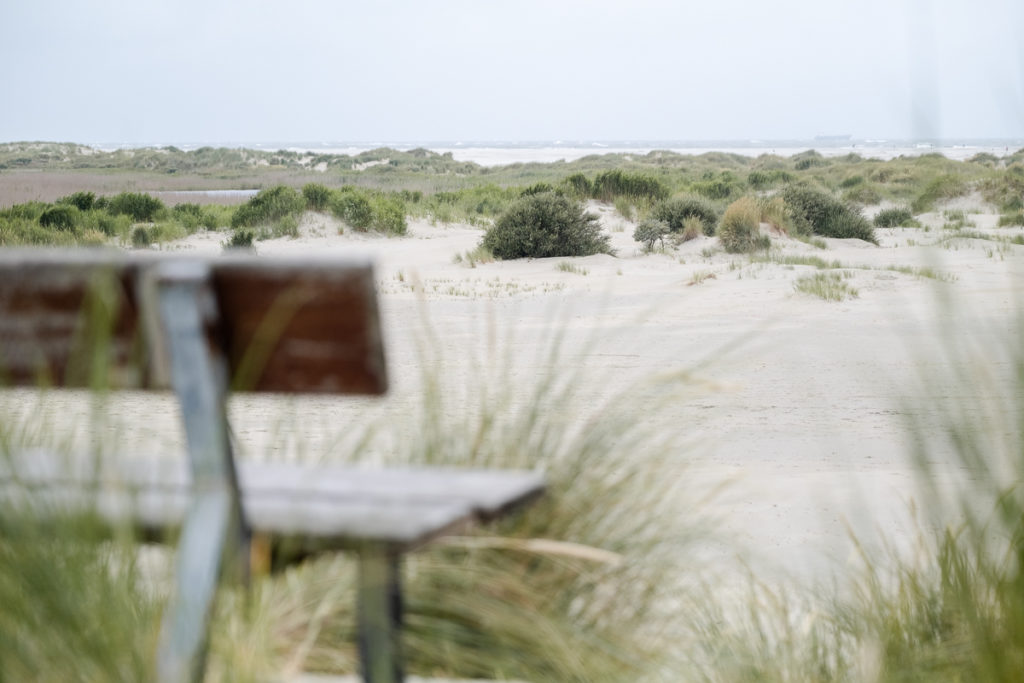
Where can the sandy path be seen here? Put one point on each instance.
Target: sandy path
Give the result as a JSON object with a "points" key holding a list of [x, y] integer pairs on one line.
{"points": [[807, 415]]}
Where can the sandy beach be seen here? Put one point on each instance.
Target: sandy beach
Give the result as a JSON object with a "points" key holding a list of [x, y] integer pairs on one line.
{"points": [[803, 406]]}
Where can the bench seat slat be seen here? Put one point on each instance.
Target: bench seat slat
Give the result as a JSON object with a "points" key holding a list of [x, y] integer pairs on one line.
{"points": [[309, 507]]}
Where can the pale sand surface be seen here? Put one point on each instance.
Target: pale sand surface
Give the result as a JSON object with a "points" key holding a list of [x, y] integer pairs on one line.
{"points": [[805, 415]]}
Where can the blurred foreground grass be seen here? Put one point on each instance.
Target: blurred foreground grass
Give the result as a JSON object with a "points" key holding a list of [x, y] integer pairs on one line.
{"points": [[598, 581]]}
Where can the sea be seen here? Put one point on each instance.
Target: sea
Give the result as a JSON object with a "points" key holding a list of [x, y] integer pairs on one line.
{"points": [[499, 153]]}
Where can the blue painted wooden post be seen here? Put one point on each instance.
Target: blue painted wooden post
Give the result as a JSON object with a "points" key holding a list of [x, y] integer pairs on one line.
{"points": [[214, 533]]}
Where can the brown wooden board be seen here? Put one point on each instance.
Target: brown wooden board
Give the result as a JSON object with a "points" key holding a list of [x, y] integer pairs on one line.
{"points": [[81, 318]]}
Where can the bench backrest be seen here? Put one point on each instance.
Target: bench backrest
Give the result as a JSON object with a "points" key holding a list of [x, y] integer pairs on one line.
{"points": [[85, 317]]}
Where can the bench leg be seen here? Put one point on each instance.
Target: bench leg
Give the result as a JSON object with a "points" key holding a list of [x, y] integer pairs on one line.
{"points": [[184, 632], [380, 616]]}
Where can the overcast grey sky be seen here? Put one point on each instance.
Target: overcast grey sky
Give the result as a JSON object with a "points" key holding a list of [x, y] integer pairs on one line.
{"points": [[312, 70]]}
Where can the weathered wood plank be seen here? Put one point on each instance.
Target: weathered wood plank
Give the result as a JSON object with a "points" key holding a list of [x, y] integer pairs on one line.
{"points": [[81, 318], [308, 507]]}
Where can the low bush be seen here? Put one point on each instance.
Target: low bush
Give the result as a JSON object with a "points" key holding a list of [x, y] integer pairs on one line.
{"points": [[817, 212], [675, 211], [650, 231], [353, 206], [615, 183], [739, 231], [141, 237], [268, 206], [579, 185], [141, 208], [83, 201], [545, 225], [316, 195], [538, 188], [895, 217], [241, 239], [389, 215], [61, 217]]}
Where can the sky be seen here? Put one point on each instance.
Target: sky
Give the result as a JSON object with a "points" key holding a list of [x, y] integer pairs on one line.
{"points": [[165, 71]]}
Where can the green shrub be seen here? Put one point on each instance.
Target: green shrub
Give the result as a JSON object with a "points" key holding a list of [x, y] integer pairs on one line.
{"points": [[650, 231], [389, 215], [189, 215], [739, 231], [825, 215], [61, 217], [316, 195], [268, 206], [241, 239], [851, 181], [112, 226], [537, 188], [83, 201], [141, 208], [891, 218], [141, 237], [721, 187], [615, 183], [579, 185], [353, 206], [545, 225], [675, 211]]}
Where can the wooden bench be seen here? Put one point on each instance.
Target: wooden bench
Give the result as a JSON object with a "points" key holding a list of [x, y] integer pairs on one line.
{"points": [[203, 328]]}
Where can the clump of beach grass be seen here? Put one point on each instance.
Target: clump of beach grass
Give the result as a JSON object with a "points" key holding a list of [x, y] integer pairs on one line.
{"points": [[829, 285]]}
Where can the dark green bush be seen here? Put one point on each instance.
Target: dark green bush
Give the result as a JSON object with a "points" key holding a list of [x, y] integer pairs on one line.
{"points": [[649, 231], [579, 185], [545, 225], [851, 181], [268, 206], [353, 206], [316, 195], [139, 207], [891, 218], [825, 215], [141, 237], [538, 188], [63, 217], [675, 211], [241, 239], [615, 183], [83, 201]]}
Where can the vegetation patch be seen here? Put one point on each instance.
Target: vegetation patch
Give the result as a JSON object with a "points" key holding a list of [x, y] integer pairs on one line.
{"points": [[650, 231], [830, 286], [546, 225], [674, 212], [892, 218], [739, 230], [822, 214]]}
